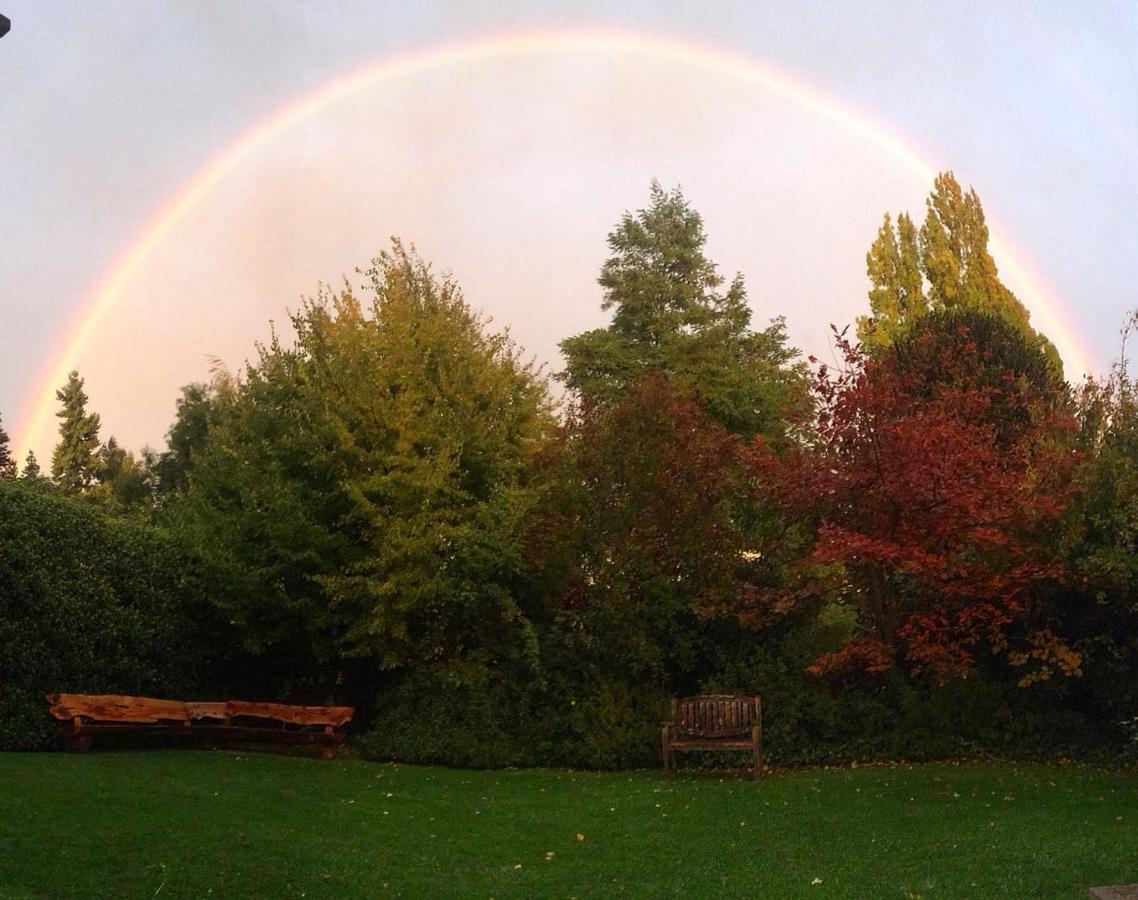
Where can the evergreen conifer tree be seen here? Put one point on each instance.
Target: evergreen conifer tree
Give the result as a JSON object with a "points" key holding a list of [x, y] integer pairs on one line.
{"points": [[31, 467], [7, 462], [74, 464], [674, 315]]}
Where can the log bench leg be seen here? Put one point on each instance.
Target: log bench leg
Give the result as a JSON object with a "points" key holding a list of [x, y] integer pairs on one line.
{"points": [[75, 741], [78, 743]]}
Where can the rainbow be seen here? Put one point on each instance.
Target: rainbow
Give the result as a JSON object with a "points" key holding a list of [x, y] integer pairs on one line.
{"points": [[41, 402]]}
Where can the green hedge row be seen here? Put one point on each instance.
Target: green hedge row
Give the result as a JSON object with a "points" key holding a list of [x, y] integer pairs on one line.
{"points": [[96, 604], [571, 714], [91, 604]]}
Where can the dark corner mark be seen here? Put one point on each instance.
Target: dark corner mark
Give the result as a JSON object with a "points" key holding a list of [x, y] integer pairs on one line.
{"points": [[5, 25]]}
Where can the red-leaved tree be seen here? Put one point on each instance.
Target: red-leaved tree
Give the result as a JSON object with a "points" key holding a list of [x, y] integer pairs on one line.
{"points": [[643, 527], [931, 488]]}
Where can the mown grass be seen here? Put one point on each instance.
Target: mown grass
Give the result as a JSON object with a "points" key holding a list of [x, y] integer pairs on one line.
{"points": [[206, 823]]}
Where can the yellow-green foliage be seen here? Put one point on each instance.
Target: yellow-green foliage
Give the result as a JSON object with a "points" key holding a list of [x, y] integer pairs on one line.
{"points": [[364, 485], [945, 266]]}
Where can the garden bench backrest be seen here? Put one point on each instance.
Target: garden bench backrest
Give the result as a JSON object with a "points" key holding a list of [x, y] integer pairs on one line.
{"points": [[336, 716], [716, 715]]}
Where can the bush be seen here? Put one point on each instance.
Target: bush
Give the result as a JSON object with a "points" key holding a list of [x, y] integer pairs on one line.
{"points": [[810, 720], [584, 710], [89, 604], [565, 713], [431, 717]]}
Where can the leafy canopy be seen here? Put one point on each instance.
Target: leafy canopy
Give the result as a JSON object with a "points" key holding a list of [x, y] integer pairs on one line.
{"points": [[642, 528], [946, 266], [365, 485], [934, 488]]}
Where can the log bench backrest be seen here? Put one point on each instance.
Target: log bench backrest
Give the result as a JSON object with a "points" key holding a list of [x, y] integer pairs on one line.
{"points": [[208, 710], [116, 708], [716, 715], [293, 715]]}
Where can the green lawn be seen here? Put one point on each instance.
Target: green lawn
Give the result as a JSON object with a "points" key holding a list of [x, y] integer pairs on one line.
{"points": [[201, 823]]}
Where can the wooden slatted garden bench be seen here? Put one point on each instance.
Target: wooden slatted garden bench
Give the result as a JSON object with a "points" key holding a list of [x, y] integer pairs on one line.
{"points": [[86, 715], [714, 722]]}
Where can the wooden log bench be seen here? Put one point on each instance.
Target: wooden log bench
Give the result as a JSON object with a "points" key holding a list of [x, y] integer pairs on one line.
{"points": [[88, 715], [714, 722]]}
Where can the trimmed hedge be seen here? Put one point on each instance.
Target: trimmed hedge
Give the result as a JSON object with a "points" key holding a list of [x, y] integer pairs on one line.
{"points": [[572, 714], [89, 604]]}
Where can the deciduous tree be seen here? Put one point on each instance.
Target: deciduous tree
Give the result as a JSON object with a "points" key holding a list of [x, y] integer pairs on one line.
{"points": [[124, 484], [644, 528], [364, 486], [186, 437], [897, 293], [934, 504], [1102, 609], [946, 266]]}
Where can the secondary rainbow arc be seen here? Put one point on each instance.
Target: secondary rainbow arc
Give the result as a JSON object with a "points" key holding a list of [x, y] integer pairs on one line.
{"points": [[1045, 309]]}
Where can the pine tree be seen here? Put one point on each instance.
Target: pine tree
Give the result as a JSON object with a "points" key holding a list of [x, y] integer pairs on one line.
{"points": [[112, 460], [7, 462], [74, 464], [31, 467]]}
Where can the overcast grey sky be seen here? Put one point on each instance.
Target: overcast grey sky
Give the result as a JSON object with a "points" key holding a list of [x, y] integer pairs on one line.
{"points": [[510, 173]]}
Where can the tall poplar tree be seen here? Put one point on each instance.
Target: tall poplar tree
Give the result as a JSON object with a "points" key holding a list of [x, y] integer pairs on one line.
{"points": [[946, 266], [897, 293], [74, 463]]}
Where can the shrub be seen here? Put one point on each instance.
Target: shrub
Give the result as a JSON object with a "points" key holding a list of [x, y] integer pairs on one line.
{"points": [[433, 717], [89, 604]]}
